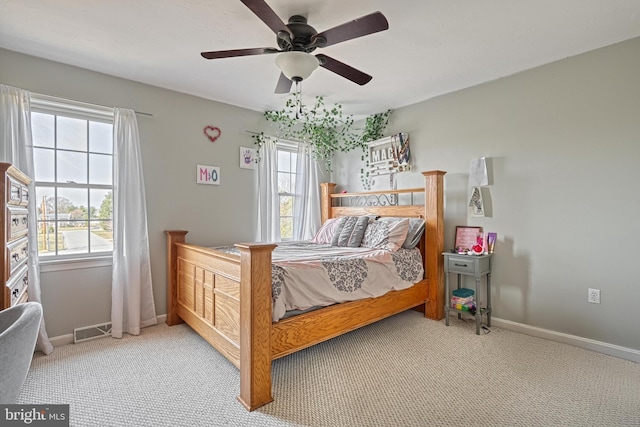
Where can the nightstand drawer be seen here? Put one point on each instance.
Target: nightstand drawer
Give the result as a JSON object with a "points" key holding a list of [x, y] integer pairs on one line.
{"points": [[461, 265]]}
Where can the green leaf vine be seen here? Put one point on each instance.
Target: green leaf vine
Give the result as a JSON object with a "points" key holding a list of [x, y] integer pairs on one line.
{"points": [[374, 127], [325, 130]]}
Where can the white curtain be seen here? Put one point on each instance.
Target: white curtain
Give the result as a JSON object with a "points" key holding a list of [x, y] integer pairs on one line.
{"points": [[15, 119], [268, 201], [131, 294], [306, 212]]}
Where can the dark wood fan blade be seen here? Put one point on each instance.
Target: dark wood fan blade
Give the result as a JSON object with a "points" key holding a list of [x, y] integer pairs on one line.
{"points": [[368, 24], [237, 52], [266, 14], [284, 84], [344, 70]]}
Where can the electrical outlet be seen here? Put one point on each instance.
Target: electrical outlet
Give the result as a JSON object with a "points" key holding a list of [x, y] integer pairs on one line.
{"points": [[593, 296]]}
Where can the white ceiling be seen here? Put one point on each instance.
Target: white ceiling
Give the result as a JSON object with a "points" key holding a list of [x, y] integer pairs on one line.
{"points": [[432, 47]]}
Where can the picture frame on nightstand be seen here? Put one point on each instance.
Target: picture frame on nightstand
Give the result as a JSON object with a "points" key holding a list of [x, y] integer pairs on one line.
{"points": [[466, 237]]}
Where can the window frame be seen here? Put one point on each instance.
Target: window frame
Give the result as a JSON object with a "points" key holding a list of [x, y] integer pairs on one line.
{"points": [[292, 148], [91, 113]]}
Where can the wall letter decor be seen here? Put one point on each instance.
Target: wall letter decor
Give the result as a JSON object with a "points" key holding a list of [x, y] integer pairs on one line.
{"points": [[208, 175]]}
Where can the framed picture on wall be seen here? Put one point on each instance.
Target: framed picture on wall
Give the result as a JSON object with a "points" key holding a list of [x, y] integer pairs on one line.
{"points": [[466, 237], [476, 205], [208, 175], [247, 158]]}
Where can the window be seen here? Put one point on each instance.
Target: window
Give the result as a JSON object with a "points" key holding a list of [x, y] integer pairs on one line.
{"points": [[287, 159], [73, 167]]}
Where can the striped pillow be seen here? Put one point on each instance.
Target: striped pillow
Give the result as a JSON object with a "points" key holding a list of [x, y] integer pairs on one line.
{"points": [[350, 232]]}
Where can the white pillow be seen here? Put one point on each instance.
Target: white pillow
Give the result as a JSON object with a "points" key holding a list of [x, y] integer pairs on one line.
{"points": [[389, 235], [416, 229], [328, 229]]}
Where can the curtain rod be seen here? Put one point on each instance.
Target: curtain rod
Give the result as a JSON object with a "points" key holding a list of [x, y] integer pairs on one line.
{"points": [[281, 141], [59, 99]]}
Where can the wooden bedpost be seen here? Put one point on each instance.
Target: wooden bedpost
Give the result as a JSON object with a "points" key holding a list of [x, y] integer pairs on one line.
{"points": [[326, 189], [173, 236], [255, 324], [434, 231]]}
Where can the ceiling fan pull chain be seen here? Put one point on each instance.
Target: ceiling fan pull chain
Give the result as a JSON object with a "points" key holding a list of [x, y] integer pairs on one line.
{"points": [[298, 99]]}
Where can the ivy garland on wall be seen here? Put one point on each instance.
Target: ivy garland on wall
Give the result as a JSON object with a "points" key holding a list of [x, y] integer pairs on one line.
{"points": [[374, 127], [325, 130]]}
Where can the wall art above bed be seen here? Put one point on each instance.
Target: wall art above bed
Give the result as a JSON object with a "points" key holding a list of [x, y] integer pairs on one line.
{"points": [[386, 156], [390, 155]]}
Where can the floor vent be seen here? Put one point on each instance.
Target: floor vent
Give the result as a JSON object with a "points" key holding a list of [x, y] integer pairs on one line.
{"points": [[91, 332]]}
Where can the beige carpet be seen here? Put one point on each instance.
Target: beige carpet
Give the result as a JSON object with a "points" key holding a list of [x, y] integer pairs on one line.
{"points": [[403, 371]]}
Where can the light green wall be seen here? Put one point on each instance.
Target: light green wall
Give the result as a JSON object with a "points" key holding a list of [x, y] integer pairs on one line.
{"points": [[172, 144], [564, 141]]}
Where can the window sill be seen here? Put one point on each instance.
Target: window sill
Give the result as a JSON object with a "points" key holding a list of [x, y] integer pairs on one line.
{"points": [[75, 264]]}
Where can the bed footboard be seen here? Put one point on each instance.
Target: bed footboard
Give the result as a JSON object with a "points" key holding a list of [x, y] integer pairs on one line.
{"points": [[226, 298]]}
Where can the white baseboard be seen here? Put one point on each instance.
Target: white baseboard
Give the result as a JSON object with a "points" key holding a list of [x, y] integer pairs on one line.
{"points": [[586, 343], [61, 340]]}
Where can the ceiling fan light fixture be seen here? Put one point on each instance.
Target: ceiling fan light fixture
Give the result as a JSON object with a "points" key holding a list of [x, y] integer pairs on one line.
{"points": [[296, 66]]}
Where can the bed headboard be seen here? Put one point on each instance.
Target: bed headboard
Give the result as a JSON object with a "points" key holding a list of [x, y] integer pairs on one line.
{"points": [[400, 203]]}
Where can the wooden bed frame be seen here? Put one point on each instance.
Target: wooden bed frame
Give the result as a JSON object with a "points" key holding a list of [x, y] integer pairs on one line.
{"points": [[226, 298]]}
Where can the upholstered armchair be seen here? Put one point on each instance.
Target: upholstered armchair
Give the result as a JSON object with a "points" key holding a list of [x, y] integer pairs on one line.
{"points": [[18, 333]]}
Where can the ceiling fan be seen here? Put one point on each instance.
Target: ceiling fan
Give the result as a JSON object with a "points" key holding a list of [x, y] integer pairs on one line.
{"points": [[297, 39]]}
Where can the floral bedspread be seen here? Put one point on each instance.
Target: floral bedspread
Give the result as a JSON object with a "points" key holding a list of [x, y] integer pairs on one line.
{"points": [[306, 274]]}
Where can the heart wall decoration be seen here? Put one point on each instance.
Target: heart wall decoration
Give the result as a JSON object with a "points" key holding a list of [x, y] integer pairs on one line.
{"points": [[212, 132]]}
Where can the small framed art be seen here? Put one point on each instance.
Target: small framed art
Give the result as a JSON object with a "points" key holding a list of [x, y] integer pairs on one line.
{"points": [[247, 158], [476, 205], [466, 237], [207, 175]]}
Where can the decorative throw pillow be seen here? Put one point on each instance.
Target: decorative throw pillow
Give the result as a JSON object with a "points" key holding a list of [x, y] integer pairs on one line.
{"points": [[389, 235], [416, 228], [327, 231], [351, 231]]}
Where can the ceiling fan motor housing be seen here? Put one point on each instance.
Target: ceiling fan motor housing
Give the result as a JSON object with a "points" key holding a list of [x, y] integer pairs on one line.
{"points": [[301, 37]]}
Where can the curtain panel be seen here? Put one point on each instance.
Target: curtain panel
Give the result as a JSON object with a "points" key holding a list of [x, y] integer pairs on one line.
{"points": [[17, 149], [268, 229], [132, 292], [306, 209]]}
